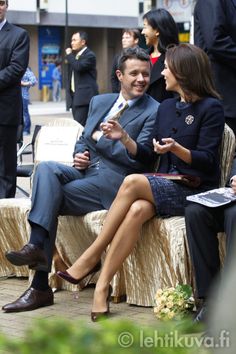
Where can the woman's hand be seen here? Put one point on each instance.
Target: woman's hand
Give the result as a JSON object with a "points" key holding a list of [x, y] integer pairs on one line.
{"points": [[112, 130], [167, 144]]}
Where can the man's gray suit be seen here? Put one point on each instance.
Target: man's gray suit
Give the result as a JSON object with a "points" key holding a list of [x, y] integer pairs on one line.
{"points": [[63, 190]]}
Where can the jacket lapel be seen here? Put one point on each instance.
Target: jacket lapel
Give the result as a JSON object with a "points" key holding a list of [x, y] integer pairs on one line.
{"points": [[133, 112]]}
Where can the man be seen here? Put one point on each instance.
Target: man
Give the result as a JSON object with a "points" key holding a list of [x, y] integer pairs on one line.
{"points": [[100, 165], [215, 32], [130, 39], [56, 82], [14, 49], [28, 80], [82, 76]]}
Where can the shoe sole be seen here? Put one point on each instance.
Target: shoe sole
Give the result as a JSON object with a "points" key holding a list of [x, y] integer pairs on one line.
{"points": [[19, 261]]}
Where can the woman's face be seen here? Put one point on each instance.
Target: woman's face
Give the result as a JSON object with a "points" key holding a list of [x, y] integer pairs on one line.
{"points": [[150, 34], [171, 82]]}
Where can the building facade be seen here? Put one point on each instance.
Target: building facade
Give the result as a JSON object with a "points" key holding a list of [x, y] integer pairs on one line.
{"points": [[51, 23]]}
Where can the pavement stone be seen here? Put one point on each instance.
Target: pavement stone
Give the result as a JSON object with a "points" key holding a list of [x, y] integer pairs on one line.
{"points": [[68, 305]]}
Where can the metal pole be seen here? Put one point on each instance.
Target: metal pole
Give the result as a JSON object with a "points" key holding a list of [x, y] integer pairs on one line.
{"points": [[66, 24]]}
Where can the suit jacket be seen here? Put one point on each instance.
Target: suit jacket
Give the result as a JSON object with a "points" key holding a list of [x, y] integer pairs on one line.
{"points": [[157, 87], [85, 76], [114, 161], [215, 32], [14, 56], [199, 128]]}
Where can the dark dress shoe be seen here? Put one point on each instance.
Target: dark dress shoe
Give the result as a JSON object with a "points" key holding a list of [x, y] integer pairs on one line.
{"points": [[98, 316], [66, 276], [31, 299], [30, 255], [201, 315]]}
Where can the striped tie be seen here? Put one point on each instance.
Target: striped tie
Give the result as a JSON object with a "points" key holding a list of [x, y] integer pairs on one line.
{"points": [[119, 113]]}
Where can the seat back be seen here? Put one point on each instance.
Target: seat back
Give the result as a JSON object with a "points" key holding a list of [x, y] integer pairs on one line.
{"points": [[227, 152]]}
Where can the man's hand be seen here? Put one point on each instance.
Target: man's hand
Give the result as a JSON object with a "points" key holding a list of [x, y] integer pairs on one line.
{"points": [[112, 130], [68, 51], [82, 160], [233, 183]]}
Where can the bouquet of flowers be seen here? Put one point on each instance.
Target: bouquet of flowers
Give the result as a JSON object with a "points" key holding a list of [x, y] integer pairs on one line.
{"points": [[173, 303]]}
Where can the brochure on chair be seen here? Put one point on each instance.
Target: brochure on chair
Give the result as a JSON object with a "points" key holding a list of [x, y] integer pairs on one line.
{"points": [[214, 198]]}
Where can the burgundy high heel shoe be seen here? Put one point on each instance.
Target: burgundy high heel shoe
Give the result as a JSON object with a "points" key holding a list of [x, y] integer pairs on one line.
{"points": [[98, 316], [66, 276]]}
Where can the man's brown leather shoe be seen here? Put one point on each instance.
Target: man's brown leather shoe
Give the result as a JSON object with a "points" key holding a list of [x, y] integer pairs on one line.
{"points": [[31, 299], [30, 255]]}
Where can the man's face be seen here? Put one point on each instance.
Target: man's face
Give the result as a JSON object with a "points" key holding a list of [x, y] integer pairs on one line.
{"points": [[77, 43], [128, 40], [3, 9], [135, 78]]}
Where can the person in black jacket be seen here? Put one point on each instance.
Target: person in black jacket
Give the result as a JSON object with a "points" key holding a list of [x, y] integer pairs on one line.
{"points": [[14, 56], [188, 132], [215, 32], [159, 30], [82, 76]]}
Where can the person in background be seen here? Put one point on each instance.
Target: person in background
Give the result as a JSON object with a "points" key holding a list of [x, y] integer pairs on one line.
{"points": [[187, 135], [159, 30], [14, 57], [56, 83], [130, 39], [27, 81], [64, 190], [215, 33], [82, 76]]}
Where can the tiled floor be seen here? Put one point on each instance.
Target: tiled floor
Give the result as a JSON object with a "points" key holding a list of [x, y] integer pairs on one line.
{"points": [[68, 305]]}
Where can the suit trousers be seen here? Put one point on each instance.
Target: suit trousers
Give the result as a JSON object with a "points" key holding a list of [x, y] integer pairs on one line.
{"points": [[8, 161], [80, 113], [61, 190], [202, 225]]}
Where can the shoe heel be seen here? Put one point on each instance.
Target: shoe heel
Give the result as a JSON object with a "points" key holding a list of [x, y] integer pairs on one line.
{"points": [[83, 284], [39, 267]]}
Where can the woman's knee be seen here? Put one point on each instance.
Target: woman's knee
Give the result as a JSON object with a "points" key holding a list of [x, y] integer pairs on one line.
{"points": [[140, 210], [132, 182]]}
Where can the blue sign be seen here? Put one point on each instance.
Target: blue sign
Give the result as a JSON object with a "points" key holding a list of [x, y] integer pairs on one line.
{"points": [[50, 39]]}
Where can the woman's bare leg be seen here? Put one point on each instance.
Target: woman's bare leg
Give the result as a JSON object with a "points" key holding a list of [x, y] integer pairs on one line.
{"points": [[133, 188], [121, 246]]}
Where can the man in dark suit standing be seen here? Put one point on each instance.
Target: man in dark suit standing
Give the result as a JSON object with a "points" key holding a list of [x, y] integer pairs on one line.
{"points": [[100, 165], [82, 76], [14, 56], [215, 32]]}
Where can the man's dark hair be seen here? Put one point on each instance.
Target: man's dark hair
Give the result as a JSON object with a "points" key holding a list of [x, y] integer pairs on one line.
{"points": [[132, 53], [83, 35], [134, 32]]}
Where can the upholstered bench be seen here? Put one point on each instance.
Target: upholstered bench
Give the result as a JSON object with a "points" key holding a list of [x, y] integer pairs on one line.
{"points": [[160, 258]]}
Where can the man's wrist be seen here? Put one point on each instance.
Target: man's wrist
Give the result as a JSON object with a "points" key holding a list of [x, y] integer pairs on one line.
{"points": [[125, 138]]}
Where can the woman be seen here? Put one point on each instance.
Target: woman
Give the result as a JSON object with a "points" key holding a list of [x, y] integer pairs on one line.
{"points": [[159, 30], [188, 134]]}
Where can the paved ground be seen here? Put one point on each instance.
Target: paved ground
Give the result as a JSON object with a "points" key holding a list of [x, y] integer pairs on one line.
{"points": [[67, 304]]}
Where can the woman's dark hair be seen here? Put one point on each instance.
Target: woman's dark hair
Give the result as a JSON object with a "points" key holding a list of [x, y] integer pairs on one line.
{"points": [[161, 20], [191, 67], [132, 53]]}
